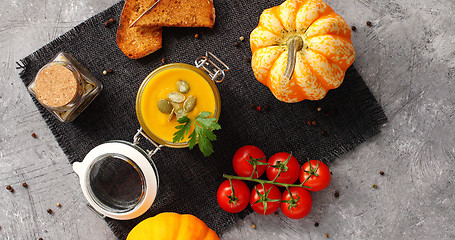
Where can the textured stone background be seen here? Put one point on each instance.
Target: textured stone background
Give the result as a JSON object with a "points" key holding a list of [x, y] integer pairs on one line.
{"points": [[407, 58]]}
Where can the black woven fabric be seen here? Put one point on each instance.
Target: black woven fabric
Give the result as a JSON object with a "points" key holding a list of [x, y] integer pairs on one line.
{"points": [[188, 181]]}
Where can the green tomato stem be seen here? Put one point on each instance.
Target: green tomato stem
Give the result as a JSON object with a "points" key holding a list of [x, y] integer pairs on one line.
{"points": [[263, 181]]}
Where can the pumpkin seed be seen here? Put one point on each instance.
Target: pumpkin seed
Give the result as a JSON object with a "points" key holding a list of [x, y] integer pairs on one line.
{"points": [[171, 115], [180, 113], [189, 103], [176, 97], [164, 106], [183, 86], [176, 106]]}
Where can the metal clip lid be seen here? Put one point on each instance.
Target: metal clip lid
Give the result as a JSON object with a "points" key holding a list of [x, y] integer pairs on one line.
{"points": [[211, 64]]}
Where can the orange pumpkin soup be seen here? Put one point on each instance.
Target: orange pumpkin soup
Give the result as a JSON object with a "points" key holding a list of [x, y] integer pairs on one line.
{"points": [[157, 87]]}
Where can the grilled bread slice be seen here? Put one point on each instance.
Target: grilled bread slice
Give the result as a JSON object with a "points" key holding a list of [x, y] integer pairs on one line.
{"points": [[137, 42], [178, 13]]}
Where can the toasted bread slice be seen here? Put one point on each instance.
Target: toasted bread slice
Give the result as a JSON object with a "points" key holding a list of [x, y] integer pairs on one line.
{"points": [[137, 42], [178, 13]]}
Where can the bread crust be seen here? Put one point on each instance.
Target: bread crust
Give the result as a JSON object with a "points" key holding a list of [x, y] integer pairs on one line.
{"points": [[179, 13], [137, 42]]}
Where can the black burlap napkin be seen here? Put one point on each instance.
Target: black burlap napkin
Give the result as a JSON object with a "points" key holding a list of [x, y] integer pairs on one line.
{"points": [[188, 181]]}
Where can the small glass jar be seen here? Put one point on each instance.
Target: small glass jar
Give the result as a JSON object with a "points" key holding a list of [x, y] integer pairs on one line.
{"points": [[64, 87], [153, 77]]}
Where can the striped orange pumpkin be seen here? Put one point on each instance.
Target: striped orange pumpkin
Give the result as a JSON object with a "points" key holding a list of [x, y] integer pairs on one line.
{"points": [[301, 49]]}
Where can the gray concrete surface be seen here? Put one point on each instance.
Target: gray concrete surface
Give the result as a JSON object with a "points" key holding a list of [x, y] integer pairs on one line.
{"points": [[407, 58]]}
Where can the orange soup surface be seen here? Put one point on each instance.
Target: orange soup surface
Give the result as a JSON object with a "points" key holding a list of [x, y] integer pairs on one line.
{"points": [[160, 86]]}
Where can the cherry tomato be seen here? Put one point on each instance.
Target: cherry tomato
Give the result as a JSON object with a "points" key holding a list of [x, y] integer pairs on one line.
{"points": [[290, 172], [265, 202], [300, 206], [244, 160], [230, 203], [320, 175]]}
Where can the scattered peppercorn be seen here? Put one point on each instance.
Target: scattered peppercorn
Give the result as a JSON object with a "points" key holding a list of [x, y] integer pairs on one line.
{"points": [[381, 172], [252, 105], [49, 211], [336, 194], [353, 28], [163, 60], [107, 24], [319, 109], [253, 226], [258, 108], [111, 20], [8, 187], [58, 205], [266, 107], [34, 135], [324, 133], [40, 238], [237, 44], [316, 224], [109, 70], [314, 123], [248, 59], [104, 72], [276, 214], [196, 35], [375, 186], [25, 185], [327, 235], [369, 24], [331, 173], [242, 38]]}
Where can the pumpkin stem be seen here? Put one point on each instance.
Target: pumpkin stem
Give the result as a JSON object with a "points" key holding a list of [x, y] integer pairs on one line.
{"points": [[295, 44]]}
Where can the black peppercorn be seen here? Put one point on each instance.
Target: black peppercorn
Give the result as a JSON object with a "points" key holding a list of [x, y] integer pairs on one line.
{"points": [[107, 24], [248, 59], [111, 20], [336, 194], [33, 135], [25, 185], [381, 172], [266, 107], [353, 28], [49, 211], [369, 24], [314, 123], [8, 187], [316, 224], [237, 44]]}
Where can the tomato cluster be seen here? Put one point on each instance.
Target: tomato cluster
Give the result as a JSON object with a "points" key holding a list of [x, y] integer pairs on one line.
{"points": [[282, 169]]}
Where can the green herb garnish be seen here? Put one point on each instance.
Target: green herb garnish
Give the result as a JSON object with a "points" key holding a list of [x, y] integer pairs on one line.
{"points": [[202, 134]]}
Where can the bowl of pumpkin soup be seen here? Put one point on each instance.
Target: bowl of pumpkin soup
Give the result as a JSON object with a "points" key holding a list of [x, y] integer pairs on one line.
{"points": [[171, 92]]}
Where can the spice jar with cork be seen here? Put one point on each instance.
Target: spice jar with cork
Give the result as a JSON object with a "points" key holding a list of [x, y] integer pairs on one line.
{"points": [[64, 87]]}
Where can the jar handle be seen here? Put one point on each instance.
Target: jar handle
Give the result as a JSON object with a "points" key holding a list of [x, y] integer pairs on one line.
{"points": [[140, 134], [212, 67]]}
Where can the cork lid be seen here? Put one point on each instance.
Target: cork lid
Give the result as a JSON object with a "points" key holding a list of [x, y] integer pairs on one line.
{"points": [[56, 85]]}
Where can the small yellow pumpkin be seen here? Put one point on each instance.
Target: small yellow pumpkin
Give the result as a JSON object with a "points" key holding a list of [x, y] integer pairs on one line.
{"points": [[301, 49], [172, 226]]}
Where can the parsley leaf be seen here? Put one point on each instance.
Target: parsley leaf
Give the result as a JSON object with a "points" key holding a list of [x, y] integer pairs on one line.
{"points": [[183, 129], [202, 133]]}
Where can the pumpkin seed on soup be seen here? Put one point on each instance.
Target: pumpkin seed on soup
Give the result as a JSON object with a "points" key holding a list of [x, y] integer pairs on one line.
{"points": [[164, 106], [180, 113], [170, 115], [183, 86], [189, 103], [176, 97]]}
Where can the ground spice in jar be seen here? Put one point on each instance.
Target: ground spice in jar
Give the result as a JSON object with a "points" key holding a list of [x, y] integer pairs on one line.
{"points": [[56, 86]]}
